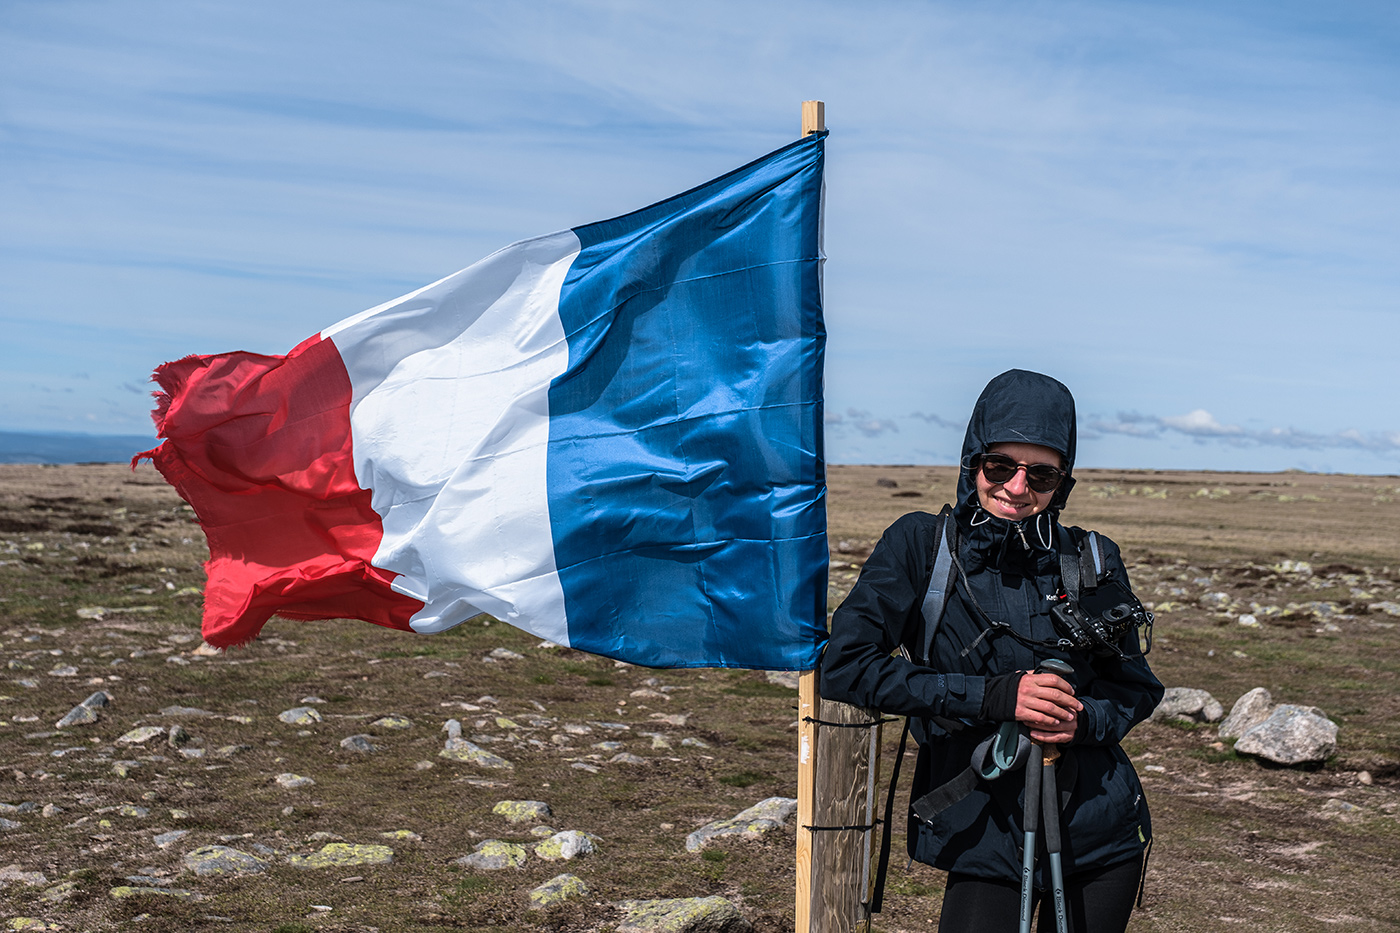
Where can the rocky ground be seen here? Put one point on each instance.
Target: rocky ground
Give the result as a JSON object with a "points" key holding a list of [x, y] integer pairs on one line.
{"points": [[339, 776]]}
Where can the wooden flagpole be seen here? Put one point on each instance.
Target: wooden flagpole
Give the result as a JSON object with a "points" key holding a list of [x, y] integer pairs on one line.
{"points": [[836, 784], [808, 699]]}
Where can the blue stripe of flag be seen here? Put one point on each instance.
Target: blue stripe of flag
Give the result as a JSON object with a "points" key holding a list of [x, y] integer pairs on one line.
{"points": [[685, 470]]}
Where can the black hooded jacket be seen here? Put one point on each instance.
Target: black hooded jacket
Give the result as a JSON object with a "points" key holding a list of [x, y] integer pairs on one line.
{"points": [[1013, 571]]}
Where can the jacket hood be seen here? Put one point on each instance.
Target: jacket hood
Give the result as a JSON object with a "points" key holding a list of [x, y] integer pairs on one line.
{"points": [[1019, 407]]}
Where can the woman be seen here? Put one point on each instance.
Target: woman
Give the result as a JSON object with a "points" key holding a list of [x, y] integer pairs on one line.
{"points": [[995, 629]]}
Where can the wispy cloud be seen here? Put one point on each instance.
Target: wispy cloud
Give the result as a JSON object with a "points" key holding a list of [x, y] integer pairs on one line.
{"points": [[1203, 427], [938, 420]]}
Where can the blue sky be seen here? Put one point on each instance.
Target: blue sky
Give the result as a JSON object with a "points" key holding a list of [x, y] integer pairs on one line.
{"points": [[1188, 212]]}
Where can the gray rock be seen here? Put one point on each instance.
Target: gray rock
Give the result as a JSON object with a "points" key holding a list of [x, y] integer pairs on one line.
{"points": [[7, 825], [124, 891], [493, 855], [78, 716], [777, 809], [557, 890], [763, 817], [358, 743], [505, 654], [1292, 735], [228, 751], [783, 678], [1189, 704], [1249, 710], [86, 712], [300, 716], [565, 846], [682, 915], [60, 892], [223, 861], [13, 874], [184, 711], [289, 780], [166, 840], [140, 735], [627, 758]]}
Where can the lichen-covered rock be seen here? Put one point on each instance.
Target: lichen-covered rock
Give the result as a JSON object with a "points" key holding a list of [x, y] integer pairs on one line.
{"points": [[223, 861], [289, 780], [228, 751], [522, 811], [565, 846], [493, 854], [1292, 735], [763, 817], [300, 716], [391, 722], [121, 892], [343, 855], [402, 835], [13, 874], [30, 923], [60, 892], [1189, 704], [1249, 710], [557, 890], [462, 750], [720, 829], [140, 735], [682, 915]]}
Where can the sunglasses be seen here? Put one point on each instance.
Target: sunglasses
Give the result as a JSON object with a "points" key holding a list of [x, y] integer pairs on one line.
{"points": [[1040, 477]]}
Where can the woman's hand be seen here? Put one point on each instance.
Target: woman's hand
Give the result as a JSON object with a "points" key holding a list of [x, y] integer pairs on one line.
{"points": [[1045, 703]]}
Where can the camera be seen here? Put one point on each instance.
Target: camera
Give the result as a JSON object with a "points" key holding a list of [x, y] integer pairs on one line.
{"points": [[1099, 619]]}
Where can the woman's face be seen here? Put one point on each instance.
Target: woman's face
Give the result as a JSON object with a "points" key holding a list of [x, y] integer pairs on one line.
{"points": [[1013, 500]]}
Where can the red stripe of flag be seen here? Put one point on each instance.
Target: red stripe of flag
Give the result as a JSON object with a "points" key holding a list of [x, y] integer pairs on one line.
{"points": [[261, 447]]}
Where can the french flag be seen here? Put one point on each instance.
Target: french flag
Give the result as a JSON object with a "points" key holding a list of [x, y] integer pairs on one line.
{"points": [[609, 437]]}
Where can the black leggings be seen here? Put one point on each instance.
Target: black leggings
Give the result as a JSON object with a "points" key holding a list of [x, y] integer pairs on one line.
{"points": [[1099, 902]]}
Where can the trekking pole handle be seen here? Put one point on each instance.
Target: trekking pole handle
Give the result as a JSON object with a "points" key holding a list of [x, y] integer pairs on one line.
{"points": [[1061, 669]]}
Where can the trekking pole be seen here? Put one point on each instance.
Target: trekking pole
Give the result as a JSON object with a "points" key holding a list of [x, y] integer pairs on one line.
{"points": [[1032, 818], [1050, 804]]}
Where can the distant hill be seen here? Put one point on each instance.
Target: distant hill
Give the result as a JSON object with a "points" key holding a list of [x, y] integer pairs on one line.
{"points": [[16, 447]]}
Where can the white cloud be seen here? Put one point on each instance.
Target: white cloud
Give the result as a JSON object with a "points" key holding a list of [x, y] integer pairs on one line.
{"points": [[1201, 423]]}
